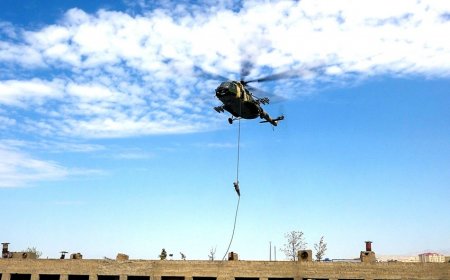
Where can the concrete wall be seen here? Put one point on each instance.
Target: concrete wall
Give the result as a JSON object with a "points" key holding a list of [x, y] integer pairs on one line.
{"points": [[222, 270]]}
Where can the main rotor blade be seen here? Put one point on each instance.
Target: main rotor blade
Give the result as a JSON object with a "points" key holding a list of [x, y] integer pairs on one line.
{"points": [[289, 74], [257, 90], [262, 93], [246, 67], [279, 76], [208, 75]]}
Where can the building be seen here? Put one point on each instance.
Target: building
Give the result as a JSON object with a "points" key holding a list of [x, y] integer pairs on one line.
{"points": [[394, 258], [27, 267], [431, 257], [79, 269]]}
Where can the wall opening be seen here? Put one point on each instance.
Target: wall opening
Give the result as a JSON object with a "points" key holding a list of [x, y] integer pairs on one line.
{"points": [[17, 276], [246, 278], [317, 279], [172, 277], [48, 276], [276, 278], [108, 277], [205, 278], [134, 277], [78, 277]]}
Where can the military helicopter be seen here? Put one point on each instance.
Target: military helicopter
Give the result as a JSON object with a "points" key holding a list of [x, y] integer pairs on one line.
{"points": [[241, 103], [238, 99]]}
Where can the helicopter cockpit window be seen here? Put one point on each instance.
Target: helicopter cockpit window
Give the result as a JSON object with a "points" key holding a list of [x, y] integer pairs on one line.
{"points": [[226, 87]]}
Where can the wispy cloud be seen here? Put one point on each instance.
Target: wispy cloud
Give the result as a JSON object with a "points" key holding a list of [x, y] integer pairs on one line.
{"points": [[134, 155], [19, 168], [118, 74], [52, 146], [6, 122], [218, 145]]}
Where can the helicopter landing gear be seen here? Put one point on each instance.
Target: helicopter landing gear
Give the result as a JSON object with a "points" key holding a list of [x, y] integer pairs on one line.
{"points": [[219, 109], [230, 120]]}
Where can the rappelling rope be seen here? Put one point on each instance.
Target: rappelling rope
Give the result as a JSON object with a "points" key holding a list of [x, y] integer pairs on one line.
{"points": [[236, 184], [238, 153], [234, 227]]}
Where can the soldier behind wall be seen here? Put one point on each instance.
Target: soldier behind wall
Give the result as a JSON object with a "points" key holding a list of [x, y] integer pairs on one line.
{"points": [[163, 255]]}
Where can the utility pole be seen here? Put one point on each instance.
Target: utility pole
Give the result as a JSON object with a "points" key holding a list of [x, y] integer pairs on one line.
{"points": [[275, 252], [270, 250]]}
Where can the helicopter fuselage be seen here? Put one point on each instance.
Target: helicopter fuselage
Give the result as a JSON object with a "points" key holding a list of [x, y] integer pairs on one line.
{"points": [[237, 100], [240, 103]]}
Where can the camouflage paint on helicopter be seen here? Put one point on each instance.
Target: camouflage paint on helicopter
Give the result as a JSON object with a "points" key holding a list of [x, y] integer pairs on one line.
{"points": [[241, 103]]}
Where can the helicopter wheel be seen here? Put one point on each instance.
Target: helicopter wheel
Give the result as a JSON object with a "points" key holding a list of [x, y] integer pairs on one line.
{"points": [[230, 120]]}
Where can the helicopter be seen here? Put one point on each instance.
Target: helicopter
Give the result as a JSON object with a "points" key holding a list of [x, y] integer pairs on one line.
{"points": [[237, 98], [241, 103]]}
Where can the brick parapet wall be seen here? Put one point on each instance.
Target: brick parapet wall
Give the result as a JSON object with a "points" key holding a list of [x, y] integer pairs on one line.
{"points": [[225, 270]]}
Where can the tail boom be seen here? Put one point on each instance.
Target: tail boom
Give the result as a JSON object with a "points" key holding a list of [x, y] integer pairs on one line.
{"points": [[268, 119]]}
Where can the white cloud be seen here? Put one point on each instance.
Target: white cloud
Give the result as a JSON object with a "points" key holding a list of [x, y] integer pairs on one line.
{"points": [[123, 127], [20, 169], [133, 155], [113, 74], [34, 91], [219, 145], [92, 92], [8, 30], [6, 122], [52, 146]]}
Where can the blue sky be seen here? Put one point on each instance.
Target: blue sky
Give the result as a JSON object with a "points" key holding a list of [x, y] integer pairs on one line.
{"points": [[109, 142]]}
